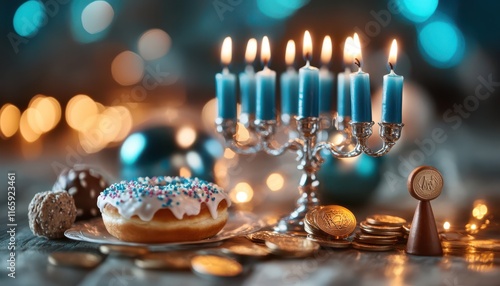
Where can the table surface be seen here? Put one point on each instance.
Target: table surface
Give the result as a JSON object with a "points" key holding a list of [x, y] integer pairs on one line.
{"points": [[326, 267]]}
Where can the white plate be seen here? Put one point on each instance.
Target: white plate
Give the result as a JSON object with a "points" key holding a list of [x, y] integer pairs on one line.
{"points": [[239, 223]]}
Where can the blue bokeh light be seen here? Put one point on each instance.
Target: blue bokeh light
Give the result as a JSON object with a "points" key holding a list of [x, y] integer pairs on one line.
{"points": [[29, 18], [441, 43], [132, 148], [280, 9], [83, 35], [418, 10]]}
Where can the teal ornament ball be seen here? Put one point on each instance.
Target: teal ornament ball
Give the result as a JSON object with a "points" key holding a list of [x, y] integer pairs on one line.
{"points": [[349, 183], [160, 151]]}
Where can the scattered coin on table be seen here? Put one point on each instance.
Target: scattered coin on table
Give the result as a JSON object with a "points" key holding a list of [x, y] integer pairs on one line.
{"points": [[251, 250], [123, 250], [263, 235], [75, 259], [291, 246], [329, 243], [171, 260], [371, 247], [214, 265]]}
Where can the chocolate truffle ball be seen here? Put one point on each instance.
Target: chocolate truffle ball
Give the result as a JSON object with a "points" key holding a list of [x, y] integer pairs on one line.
{"points": [[51, 213], [85, 185]]}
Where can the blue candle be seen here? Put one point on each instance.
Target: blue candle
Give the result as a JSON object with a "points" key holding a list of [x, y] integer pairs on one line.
{"points": [[361, 104], [247, 80], [344, 93], [226, 85], [247, 91], [360, 97], [266, 86], [344, 82], [392, 92], [289, 82], [325, 78], [289, 92], [308, 83], [325, 90]]}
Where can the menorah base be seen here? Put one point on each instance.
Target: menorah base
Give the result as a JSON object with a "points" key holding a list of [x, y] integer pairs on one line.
{"points": [[293, 222]]}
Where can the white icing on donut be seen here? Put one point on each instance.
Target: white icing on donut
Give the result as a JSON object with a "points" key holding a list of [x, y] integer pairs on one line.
{"points": [[145, 196]]}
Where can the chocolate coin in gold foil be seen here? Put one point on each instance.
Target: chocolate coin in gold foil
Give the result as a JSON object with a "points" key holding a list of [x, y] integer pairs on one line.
{"points": [[386, 220], [382, 228], [250, 250], [215, 265], [375, 239], [371, 247], [291, 246], [263, 235], [336, 221], [330, 243], [75, 259], [172, 260], [123, 250], [425, 183]]}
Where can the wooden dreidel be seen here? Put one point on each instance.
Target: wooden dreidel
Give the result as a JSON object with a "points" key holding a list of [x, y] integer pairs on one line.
{"points": [[425, 184]]}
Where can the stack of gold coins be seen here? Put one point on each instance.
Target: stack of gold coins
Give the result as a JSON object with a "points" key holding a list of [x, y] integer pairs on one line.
{"points": [[330, 225], [379, 233]]}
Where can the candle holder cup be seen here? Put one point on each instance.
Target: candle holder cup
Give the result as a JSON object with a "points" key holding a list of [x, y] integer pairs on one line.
{"points": [[308, 145]]}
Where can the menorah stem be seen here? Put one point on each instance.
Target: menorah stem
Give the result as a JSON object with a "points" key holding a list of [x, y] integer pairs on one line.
{"points": [[308, 129]]}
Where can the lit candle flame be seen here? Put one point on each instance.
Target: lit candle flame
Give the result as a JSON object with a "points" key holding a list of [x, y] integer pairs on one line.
{"points": [[251, 51], [326, 50], [348, 51], [307, 48], [393, 54], [265, 51], [226, 51], [358, 58], [290, 53]]}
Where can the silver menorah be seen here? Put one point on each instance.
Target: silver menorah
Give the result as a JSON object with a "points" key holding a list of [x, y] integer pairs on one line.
{"points": [[308, 145]]}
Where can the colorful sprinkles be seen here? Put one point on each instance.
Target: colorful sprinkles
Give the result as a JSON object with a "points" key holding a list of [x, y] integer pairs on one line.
{"points": [[170, 191]]}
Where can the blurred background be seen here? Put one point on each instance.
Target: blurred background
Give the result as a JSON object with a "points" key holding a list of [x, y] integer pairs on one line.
{"points": [[128, 88]]}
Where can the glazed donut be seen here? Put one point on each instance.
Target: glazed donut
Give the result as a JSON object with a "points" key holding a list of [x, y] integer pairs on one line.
{"points": [[163, 209]]}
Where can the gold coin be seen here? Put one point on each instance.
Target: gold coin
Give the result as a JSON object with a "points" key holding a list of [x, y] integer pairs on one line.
{"points": [[364, 225], [375, 239], [75, 259], [406, 228], [178, 260], [370, 247], [263, 235], [215, 265], [332, 243], [379, 232], [123, 250], [425, 183], [291, 244], [251, 250], [336, 221], [387, 220]]}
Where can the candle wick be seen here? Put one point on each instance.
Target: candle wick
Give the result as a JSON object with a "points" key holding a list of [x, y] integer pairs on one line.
{"points": [[225, 70], [265, 62], [392, 67], [357, 62]]}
